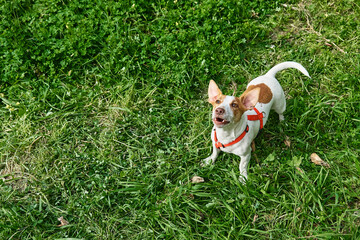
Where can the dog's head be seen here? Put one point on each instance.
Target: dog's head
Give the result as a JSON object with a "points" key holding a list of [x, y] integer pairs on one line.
{"points": [[229, 109]]}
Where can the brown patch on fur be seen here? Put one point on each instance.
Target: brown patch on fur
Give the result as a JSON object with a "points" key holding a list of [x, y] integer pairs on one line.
{"points": [[220, 98], [238, 110], [265, 95]]}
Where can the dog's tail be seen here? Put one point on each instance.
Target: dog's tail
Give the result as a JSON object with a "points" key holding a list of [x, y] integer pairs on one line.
{"points": [[272, 72]]}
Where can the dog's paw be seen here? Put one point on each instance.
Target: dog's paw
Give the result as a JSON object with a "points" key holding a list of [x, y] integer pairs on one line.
{"points": [[206, 162], [281, 117], [242, 179]]}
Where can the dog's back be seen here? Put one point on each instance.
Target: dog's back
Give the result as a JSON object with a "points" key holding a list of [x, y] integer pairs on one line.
{"points": [[278, 99]]}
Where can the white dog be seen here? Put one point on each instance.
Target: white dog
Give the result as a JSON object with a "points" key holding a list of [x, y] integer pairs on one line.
{"points": [[237, 120]]}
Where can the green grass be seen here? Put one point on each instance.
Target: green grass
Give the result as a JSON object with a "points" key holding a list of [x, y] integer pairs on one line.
{"points": [[104, 119]]}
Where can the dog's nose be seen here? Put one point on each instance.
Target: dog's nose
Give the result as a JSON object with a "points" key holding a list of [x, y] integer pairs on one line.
{"points": [[220, 111]]}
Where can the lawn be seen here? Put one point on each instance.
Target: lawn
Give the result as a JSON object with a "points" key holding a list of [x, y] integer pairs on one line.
{"points": [[104, 119]]}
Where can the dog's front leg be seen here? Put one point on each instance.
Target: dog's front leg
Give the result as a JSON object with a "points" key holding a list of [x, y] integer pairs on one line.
{"points": [[211, 159], [245, 159]]}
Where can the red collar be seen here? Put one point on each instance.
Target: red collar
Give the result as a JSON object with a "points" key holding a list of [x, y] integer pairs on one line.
{"points": [[218, 144], [258, 116]]}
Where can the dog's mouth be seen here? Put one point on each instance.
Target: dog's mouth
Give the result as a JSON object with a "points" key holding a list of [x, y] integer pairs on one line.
{"points": [[220, 121]]}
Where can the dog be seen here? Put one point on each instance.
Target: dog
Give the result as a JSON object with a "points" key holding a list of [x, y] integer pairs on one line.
{"points": [[238, 120]]}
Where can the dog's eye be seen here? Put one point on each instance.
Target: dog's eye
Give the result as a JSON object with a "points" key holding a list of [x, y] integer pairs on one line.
{"points": [[217, 101], [234, 105]]}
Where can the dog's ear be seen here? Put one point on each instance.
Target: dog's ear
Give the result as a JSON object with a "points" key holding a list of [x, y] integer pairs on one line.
{"points": [[250, 98], [214, 91]]}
